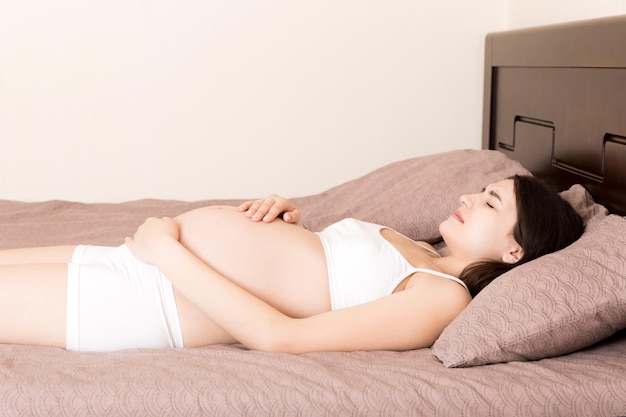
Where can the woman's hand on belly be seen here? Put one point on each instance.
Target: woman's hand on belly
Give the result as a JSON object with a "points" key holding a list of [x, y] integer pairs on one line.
{"points": [[268, 208], [151, 239]]}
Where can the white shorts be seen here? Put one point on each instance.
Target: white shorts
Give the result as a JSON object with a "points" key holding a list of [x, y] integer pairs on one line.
{"points": [[115, 302]]}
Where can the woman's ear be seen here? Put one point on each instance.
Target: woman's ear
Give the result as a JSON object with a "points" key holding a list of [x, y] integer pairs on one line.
{"points": [[513, 255]]}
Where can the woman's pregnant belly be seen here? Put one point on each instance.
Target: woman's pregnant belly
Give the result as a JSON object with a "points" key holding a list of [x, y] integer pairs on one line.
{"points": [[280, 263]]}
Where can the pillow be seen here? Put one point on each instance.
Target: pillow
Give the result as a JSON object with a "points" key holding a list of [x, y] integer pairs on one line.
{"points": [[551, 306], [412, 196], [583, 203]]}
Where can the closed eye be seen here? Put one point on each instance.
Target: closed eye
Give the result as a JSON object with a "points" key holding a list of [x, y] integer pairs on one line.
{"points": [[493, 194]]}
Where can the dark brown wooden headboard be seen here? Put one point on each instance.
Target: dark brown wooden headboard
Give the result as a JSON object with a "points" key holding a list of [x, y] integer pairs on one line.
{"points": [[555, 100]]}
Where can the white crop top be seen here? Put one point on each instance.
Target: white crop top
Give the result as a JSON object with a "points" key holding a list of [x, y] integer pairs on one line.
{"points": [[362, 265]]}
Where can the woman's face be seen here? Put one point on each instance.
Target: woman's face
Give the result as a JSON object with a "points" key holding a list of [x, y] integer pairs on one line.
{"points": [[482, 227]]}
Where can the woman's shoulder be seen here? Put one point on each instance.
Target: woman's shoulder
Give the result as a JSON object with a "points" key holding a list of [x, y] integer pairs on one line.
{"points": [[439, 285]]}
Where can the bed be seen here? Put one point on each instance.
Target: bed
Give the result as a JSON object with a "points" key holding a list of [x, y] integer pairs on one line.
{"points": [[546, 339]]}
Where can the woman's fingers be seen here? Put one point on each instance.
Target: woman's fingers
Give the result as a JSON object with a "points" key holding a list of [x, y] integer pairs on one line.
{"points": [[269, 208]]}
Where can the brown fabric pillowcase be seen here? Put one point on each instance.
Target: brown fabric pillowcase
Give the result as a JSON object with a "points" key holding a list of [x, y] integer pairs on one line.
{"points": [[551, 306], [412, 196], [583, 203]]}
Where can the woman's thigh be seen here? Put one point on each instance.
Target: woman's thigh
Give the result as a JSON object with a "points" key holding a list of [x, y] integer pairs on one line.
{"points": [[46, 254], [33, 304]]}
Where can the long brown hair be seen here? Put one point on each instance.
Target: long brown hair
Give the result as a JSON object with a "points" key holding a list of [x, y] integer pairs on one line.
{"points": [[545, 223]]}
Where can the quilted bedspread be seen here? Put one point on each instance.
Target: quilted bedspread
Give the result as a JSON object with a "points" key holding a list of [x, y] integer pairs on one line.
{"points": [[232, 381]]}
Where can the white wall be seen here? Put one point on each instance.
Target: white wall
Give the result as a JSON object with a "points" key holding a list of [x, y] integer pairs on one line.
{"points": [[111, 100], [119, 100]]}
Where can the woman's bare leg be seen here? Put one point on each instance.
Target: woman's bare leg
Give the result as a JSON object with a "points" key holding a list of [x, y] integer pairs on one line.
{"points": [[49, 254], [33, 303]]}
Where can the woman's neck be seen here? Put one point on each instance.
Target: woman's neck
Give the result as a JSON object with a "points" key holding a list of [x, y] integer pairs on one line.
{"points": [[450, 265]]}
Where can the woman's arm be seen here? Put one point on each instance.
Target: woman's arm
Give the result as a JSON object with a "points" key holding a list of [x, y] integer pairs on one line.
{"points": [[409, 319]]}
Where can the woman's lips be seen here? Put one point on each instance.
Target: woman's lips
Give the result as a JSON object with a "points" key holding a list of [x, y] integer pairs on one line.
{"points": [[457, 216]]}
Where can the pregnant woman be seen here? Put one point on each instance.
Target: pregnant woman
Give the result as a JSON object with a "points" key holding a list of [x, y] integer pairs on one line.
{"points": [[251, 275]]}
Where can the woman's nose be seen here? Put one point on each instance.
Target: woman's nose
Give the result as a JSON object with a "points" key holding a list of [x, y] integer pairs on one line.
{"points": [[468, 200]]}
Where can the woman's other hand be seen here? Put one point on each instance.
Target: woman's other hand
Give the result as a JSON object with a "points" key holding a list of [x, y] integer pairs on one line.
{"points": [[268, 208], [150, 241]]}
